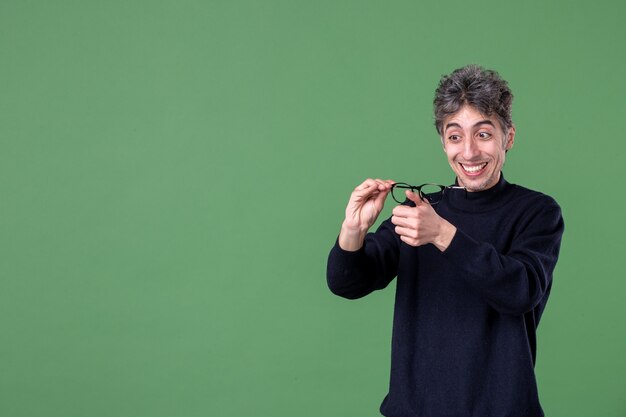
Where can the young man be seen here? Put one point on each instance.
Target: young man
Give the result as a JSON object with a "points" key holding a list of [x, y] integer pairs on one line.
{"points": [[474, 270]]}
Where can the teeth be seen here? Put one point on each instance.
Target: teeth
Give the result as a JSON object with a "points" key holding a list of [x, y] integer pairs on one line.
{"points": [[473, 168]]}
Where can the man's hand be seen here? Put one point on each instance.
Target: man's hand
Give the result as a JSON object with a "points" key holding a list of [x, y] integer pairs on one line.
{"points": [[366, 203], [420, 225]]}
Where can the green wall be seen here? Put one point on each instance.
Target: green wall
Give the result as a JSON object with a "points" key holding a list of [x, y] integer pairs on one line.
{"points": [[173, 174]]}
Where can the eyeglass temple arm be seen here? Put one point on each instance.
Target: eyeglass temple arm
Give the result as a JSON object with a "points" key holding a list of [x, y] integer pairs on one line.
{"points": [[457, 187]]}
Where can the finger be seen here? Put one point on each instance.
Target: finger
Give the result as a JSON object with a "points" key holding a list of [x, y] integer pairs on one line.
{"points": [[388, 185], [370, 182], [379, 202], [366, 191], [384, 185], [406, 232], [365, 184], [404, 211], [382, 190], [404, 222], [410, 241], [371, 194], [413, 197]]}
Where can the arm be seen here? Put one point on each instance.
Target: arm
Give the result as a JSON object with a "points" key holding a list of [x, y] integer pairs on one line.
{"points": [[514, 282], [360, 262], [354, 274]]}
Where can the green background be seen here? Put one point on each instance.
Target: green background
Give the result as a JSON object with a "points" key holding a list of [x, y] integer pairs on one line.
{"points": [[174, 173]]}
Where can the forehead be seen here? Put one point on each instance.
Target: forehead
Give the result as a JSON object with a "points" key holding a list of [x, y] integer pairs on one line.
{"points": [[468, 117]]}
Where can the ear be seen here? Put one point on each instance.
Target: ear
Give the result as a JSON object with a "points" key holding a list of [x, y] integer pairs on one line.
{"points": [[510, 138], [443, 143]]}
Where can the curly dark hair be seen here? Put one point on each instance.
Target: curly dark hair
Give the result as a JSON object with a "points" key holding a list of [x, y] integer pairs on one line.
{"points": [[480, 88]]}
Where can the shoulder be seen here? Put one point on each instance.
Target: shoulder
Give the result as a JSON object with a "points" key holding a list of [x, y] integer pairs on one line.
{"points": [[535, 208], [525, 197]]}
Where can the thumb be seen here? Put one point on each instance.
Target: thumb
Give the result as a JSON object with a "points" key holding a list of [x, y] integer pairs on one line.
{"points": [[413, 197], [380, 198]]}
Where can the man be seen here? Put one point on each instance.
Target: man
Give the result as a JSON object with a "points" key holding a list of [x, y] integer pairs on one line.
{"points": [[474, 271]]}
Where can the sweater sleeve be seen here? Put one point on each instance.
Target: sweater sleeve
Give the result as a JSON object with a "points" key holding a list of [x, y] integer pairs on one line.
{"points": [[355, 274], [516, 281]]}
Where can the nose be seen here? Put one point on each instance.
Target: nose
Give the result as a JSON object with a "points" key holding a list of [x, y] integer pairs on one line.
{"points": [[470, 150]]}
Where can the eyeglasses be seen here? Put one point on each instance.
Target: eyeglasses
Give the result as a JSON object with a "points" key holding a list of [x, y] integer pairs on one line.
{"points": [[433, 193]]}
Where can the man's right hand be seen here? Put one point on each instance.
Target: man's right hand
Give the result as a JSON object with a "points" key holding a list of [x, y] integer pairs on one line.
{"points": [[366, 202]]}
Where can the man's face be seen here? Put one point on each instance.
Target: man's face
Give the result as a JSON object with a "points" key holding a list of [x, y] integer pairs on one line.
{"points": [[475, 146]]}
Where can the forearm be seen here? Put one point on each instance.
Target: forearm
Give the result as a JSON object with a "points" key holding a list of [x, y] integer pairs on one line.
{"points": [[354, 274], [349, 273], [512, 283]]}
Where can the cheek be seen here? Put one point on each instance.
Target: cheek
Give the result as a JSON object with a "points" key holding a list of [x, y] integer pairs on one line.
{"points": [[450, 153], [498, 161]]}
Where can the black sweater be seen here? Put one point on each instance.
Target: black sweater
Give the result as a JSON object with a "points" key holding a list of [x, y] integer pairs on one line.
{"points": [[465, 319]]}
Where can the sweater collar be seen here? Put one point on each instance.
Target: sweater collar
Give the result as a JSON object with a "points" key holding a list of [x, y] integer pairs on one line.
{"points": [[477, 201]]}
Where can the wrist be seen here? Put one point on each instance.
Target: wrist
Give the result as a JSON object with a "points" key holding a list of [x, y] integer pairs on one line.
{"points": [[446, 233], [351, 238]]}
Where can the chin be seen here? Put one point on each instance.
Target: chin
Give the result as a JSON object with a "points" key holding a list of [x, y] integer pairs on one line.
{"points": [[475, 188], [482, 183]]}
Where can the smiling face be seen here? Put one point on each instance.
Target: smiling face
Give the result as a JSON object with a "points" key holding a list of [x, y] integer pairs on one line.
{"points": [[476, 146]]}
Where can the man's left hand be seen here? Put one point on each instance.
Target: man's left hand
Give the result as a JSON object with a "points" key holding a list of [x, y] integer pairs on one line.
{"points": [[420, 225]]}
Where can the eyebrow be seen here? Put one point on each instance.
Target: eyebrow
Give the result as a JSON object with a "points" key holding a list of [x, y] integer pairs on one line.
{"points": [[482, 122]]}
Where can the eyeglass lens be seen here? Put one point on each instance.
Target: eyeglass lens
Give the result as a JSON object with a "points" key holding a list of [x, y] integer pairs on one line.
{"points": [[430, 192]]}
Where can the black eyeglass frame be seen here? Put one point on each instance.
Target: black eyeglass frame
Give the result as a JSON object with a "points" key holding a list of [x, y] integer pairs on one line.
{"points": [[418, 190]]}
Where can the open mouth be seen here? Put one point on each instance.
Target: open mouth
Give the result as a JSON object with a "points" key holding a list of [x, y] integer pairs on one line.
{"points": [[473, 169]]}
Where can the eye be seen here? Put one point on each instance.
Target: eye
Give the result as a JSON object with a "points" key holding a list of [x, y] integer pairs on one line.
{"points": [[484, 135], [454, 138]]}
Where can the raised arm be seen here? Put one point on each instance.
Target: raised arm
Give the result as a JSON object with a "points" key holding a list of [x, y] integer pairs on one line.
{"points": [[360, 263]]}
